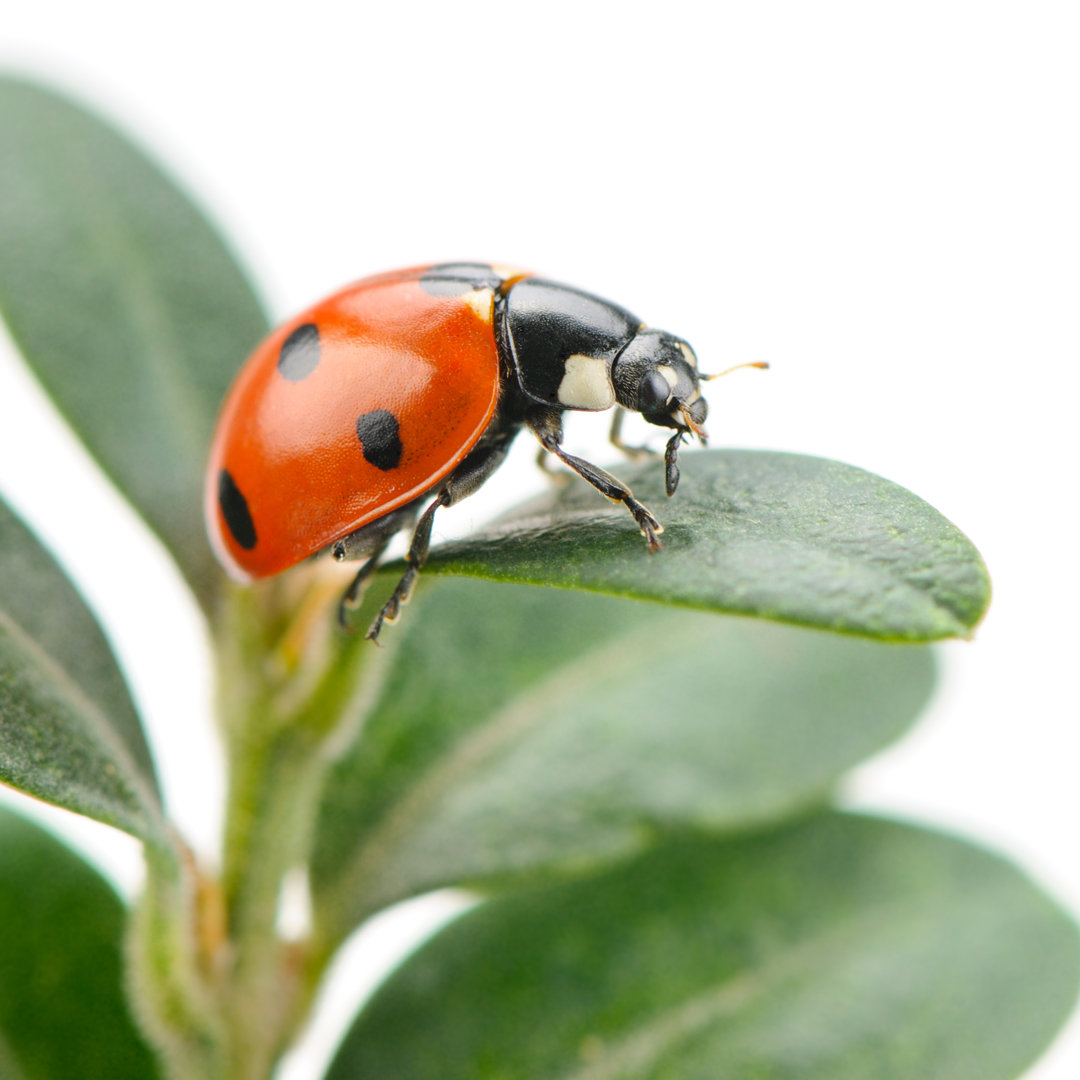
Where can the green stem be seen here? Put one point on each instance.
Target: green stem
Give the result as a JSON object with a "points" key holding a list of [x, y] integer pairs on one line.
{"points": [[289, 694], [217, 989], [273, 798], [168, 970]]}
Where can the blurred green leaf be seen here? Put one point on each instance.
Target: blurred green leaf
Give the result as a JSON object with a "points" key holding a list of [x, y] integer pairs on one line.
{"points": [[787, 537], [62, 1007], [522, 731], [125, 303], [841, 949], [69, 733]]}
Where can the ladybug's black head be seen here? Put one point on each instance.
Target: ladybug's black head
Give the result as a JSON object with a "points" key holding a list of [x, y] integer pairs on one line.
{"points": [[656, 375]]}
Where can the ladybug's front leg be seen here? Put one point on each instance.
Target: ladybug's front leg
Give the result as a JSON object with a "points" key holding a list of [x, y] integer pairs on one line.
{"points": [[637, 453], [546, 425]]}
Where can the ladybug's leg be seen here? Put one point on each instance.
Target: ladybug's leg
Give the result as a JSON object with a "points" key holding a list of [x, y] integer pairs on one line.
{"points": [[634, 453], [368, 543], [418, 553], [463, 481], [543, 463], [546, 425], [671, 462], [354, 593]]}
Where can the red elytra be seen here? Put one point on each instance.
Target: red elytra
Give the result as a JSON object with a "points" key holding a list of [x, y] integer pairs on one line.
{"points": [[284, 459]]}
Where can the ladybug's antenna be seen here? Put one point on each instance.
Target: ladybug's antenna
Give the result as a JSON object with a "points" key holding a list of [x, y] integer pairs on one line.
{"points": [[756, 363]]}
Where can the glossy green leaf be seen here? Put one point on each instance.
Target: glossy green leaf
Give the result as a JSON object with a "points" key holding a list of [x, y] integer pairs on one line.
{"points": [[69, 733], [62, 1007], [782, 536], [124, 302], [841, 949], [523, 731]]}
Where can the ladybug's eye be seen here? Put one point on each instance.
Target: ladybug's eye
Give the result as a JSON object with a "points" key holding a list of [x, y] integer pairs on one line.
{"points": [[653, 393]]}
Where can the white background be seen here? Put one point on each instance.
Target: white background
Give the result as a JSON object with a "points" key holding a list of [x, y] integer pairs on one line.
{"points": [[880, 199]]}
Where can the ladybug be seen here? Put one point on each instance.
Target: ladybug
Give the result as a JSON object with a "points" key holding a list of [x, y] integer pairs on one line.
{"points": [[409, 387]]}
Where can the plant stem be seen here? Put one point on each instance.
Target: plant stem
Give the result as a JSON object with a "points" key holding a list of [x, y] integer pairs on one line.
{"points": [[219, 991], [168, 968], [273, 797], [289, 697]]}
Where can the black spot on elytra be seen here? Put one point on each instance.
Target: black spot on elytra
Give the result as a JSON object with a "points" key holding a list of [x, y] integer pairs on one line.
{"points": [[300, 353], [235, 510], [379, 439], [456, 279]]}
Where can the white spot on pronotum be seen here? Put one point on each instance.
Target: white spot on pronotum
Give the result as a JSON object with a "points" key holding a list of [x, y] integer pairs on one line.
{"points": [[691, 356], [586, 384], [669, 373]]}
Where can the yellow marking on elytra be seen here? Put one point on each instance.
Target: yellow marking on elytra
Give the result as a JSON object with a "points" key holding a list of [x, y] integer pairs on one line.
{"points": [[482, 301]]}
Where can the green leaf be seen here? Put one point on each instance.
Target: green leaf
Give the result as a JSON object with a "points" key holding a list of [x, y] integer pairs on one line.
{"points": [[523, 731], [841, 949], [62, 1008], [787, 537], [69, 733], [125, 303]]}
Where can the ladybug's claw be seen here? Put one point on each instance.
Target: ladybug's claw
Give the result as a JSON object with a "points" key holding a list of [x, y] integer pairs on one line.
{"points": [[649, 526], [392, 608], [375, 629]]}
